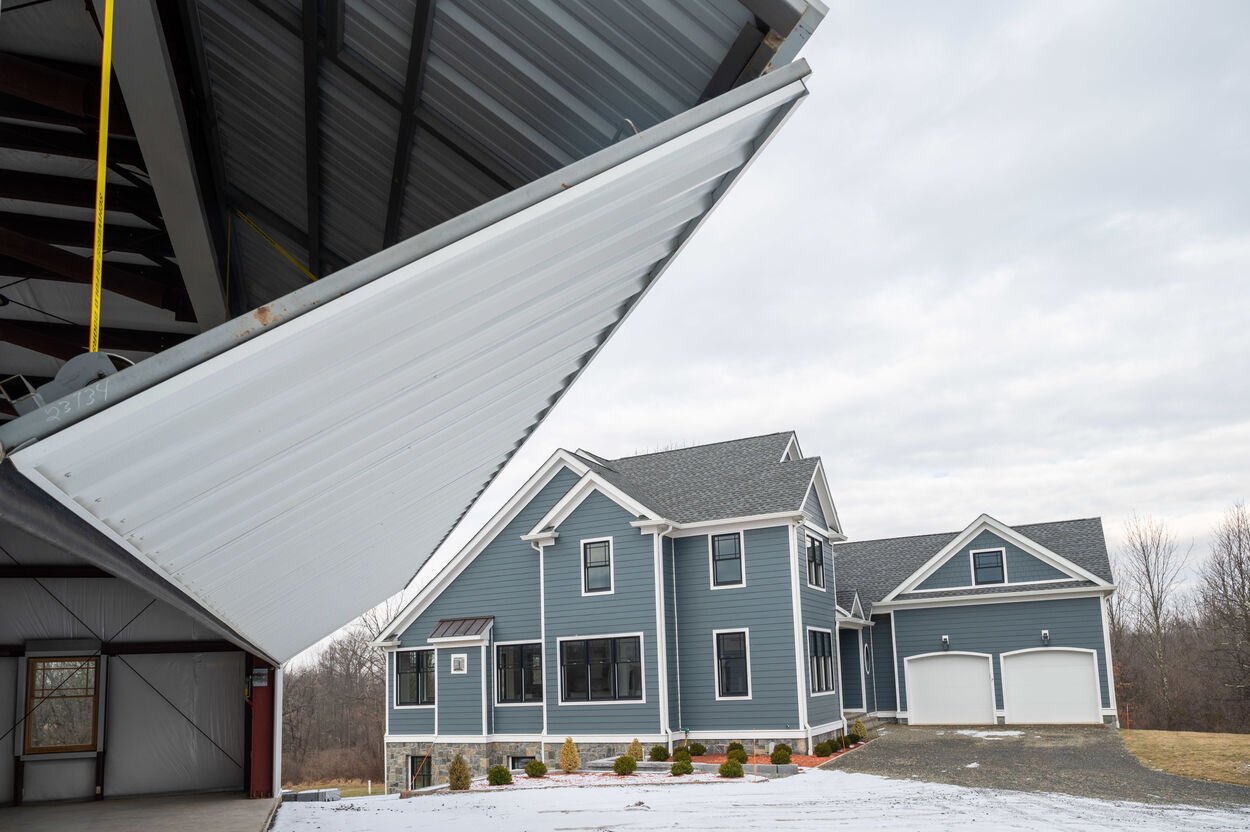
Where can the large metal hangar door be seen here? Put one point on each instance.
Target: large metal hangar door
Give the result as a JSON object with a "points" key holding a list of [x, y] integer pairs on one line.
{"points": [[950, 689]]}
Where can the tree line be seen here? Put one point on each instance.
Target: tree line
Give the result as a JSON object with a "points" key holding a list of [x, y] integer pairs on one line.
{"points": [[1182, 649]]}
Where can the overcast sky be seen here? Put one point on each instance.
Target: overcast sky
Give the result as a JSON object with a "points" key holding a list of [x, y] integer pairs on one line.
{"points": [[999, 261]]}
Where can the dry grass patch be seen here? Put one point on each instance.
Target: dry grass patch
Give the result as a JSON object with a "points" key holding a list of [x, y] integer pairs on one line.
{"points": [[348, 788], [1223, 757]]}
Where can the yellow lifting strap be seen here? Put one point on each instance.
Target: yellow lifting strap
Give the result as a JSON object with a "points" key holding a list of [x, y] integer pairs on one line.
{"points": [[101, 175]]}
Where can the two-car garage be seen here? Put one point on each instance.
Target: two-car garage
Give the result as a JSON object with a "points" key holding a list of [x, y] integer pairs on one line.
{"points": [[1048, 685]]}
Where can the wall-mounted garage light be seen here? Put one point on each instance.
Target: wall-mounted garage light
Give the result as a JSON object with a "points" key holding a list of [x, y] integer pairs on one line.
{"points": [[946, 642], [1045, 636]]}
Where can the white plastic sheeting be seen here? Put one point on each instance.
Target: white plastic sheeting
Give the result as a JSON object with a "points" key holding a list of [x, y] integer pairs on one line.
{"points": [[298, 478], [151, 748], [8, 714]]}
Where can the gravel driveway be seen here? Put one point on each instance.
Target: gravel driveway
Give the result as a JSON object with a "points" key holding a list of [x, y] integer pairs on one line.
{"points": [[1088, 762]]}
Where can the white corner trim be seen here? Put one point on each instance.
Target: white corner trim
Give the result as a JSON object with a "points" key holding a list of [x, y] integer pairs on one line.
{"points": [[742, 561], [1106, 646], [661, 629], [581, 565], [796, 607], [716, 664]]}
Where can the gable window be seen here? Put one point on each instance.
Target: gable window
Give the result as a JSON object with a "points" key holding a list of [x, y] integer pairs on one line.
{"points": [[727, 560], [733, 665], [987, 567], [414, 678], [601, 669], [520, 673], [597, 566], [62, 700], [815, 562], [820, 659]]}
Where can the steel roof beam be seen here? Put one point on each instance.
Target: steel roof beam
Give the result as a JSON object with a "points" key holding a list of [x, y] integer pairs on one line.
{"points": [[149, 242], [52, 570], [76, 193], [418, 51], [312, 133], [65, 88], [65, 341], [63, 143]]}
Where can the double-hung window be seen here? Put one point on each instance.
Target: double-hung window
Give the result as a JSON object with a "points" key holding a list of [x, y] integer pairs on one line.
{"points": [[601, 669], [820, 659], [596, 566], [727, 560], [987, 567], [815, 562], [414, 677], [733, 665], [520, 673], [62, 704]]}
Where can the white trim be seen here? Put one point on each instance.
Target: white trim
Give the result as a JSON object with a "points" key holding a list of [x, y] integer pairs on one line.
{"points": [[646, 739], [806, 566], [542, 627], [716, 664], [898, 697], [742, 560], [661, 630], [587, 485], [983, 586], [972, 565], [462, 659], [796, 608], [989, 657], [1010, 653], [676, 630], [995, 598], [1106, 646], [450, 642], [495, 667], [861, 659], [460, 561], [483, 660], [751, 521], [837, 664], [1010, 535], [394, 703], [793, 443], [856, 605], [825, 496], [642, 659], [581, 565]]}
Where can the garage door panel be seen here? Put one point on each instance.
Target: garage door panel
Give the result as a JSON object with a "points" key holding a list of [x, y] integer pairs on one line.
{"points": [[1051, 687], [950, 689]]}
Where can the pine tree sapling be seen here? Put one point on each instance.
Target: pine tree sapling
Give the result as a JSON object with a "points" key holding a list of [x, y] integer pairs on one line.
{"points": [[499, 776], [635, 750], [658, 754], [625, 764], [859, 730], [570, 760], [458, 776], [535, 768]]}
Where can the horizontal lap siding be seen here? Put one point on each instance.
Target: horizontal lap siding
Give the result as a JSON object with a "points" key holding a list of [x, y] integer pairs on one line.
{"points": [[1002, 628], [1021, 566], [631, 608], [812, 510], [460, 695], [764, 607], [852, 695], [405, 720], [819, 610], [883, 662], [520, 719]]}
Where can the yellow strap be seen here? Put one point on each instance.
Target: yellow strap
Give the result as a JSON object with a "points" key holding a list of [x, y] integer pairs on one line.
{"points": [[101, 175], [278, 246]]}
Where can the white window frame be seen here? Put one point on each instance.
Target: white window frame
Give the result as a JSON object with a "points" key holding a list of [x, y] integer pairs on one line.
{"points": [[463, 660], [742, 561], [495, 671], [581, 565], [972, 565], [642, 659], [807, 573], [746, 631], [394, 680], [833, 656]]}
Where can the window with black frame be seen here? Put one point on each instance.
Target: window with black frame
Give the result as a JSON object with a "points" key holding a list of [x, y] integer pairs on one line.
{"points": [[987, 567], [520, 673], [596, 566], [601, 669], [727, 560], [820, 648], [733, 668], [414, 677], [815, 562]]}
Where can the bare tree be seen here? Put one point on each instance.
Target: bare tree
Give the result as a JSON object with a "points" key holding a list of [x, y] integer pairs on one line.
{"points": [[1153, 562], [1225, 601]]}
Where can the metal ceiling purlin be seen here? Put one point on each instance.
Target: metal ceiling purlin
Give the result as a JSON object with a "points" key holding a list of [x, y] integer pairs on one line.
{"points": [[222, 467]]}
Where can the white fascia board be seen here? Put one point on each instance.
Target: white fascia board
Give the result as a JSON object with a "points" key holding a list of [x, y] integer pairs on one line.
{"points": [[587, 485], [995, 598], [460, 561], [752, 521], [826, 501], [987, 523]]}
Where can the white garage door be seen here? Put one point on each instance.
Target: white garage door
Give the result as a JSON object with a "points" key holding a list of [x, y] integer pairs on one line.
{"points": [[950, 689], [1052, 685]]}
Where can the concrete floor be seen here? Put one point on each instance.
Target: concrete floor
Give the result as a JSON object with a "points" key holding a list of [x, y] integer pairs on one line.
{"points": [[185, 813]]}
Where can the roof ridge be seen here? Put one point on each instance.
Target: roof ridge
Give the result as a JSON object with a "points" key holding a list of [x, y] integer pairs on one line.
{"points": [[1015, 527], [705, 445]]}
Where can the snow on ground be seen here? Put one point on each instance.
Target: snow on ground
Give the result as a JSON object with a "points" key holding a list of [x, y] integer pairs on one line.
{"points": [[583, 779], [989, 735], [823, 797]]}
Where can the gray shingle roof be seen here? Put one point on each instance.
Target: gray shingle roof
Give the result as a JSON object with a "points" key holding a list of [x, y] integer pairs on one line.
{"points": [[739, 478], [875, 567]]}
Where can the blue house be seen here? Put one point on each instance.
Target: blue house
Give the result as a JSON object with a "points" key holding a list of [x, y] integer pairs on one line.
{"points": [[692, 594]]}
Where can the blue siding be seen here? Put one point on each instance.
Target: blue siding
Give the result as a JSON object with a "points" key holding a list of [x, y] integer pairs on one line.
{"points": [[763, 606], [405, 720], [460, 695], [883, 663], [812, 510], [519, 719], [819, 609], [852, 693], [1001, 628], [1021, 566], [630, 608]]}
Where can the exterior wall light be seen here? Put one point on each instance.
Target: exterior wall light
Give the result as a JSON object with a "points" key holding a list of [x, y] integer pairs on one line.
{"points": [[946, 642], [1045, 636]]}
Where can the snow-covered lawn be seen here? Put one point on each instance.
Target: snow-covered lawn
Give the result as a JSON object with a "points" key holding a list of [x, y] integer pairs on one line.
{"points": [[819, 799]]}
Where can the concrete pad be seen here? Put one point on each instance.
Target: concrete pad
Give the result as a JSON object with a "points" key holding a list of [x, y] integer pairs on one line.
{"points": [[186, 813]]}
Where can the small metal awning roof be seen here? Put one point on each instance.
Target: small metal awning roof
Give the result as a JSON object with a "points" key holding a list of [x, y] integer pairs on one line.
{"points": [[462, 627], [291, 468]]}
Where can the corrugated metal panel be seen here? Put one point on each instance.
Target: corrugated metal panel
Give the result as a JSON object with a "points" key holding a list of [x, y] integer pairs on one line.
{"points": [[462, 627], [286, 482]]}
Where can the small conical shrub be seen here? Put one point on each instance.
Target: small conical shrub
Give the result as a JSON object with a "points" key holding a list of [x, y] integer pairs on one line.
{"points": [[570, 760], [859, 730], [681, 754], [635, 749], [458, 775]]}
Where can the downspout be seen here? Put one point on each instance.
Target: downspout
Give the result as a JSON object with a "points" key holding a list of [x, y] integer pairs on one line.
{"points": [[676, 634], [661, 633], [542, 636], [796, 599]]}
